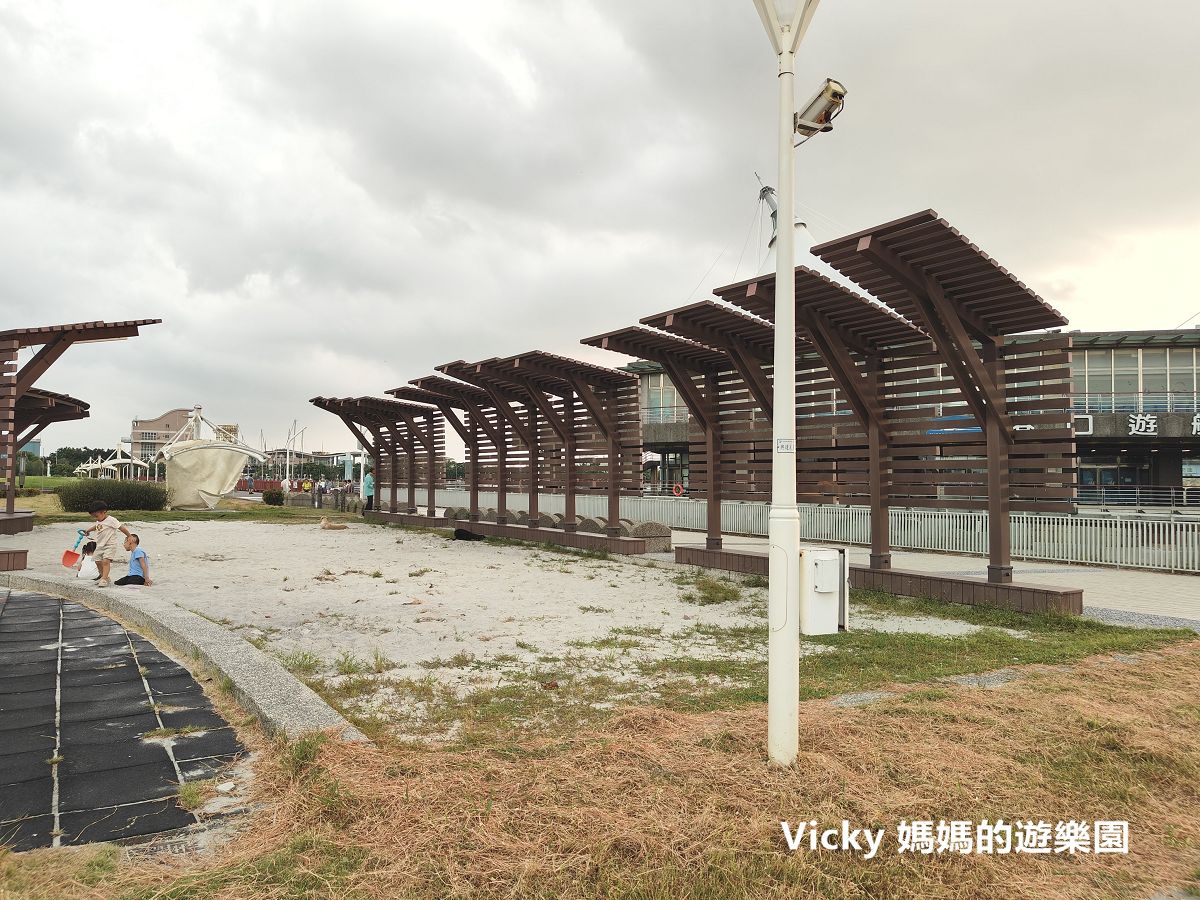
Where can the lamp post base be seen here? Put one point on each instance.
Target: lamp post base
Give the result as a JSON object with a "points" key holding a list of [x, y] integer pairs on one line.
{"points": [[783, 641]]}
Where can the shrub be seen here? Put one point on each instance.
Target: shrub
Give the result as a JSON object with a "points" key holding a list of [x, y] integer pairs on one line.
{"points": [[78, 496], [29, 492], [272, 497]]}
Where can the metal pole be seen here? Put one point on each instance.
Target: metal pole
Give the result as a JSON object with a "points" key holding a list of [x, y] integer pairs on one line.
{"points": [[783, 524]]}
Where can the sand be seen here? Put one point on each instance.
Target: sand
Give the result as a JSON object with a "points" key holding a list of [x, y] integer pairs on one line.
{"points": [[417, 598], [413, 596]]}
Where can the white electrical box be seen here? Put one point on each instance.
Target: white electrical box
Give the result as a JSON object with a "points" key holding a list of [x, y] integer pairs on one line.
{"points": [[824, 590]]}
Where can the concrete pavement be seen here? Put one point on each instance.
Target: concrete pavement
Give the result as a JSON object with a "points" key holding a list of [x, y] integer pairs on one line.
{"points": [[1132, 594]]}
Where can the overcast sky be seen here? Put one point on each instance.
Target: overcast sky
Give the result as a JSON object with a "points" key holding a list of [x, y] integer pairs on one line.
{"points": [[323, 198]]}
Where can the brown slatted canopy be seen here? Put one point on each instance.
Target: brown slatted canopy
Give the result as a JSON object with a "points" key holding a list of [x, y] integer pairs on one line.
{"points": [[526, 374], [76, 331], [39, 405], [477, 375], [642, 342], [863, 324], [565, 368], [418, 395], [375, 407], [712, 323], [972, 280], [451, 390]]}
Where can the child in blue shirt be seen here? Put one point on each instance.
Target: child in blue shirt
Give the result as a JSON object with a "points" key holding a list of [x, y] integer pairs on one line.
{"points": [[139, 564]]}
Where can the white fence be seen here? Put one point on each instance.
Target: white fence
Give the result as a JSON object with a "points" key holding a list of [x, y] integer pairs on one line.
{"points": [[1137, 542]]}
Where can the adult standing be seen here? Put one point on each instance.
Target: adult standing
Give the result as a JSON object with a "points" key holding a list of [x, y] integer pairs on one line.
{"points": [[368, 490], [285, 485]]}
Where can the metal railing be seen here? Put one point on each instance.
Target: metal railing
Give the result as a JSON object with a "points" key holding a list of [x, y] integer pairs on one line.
{"points": [[1142, 402], [1138, 495], [664, 415], [1167, 543]]}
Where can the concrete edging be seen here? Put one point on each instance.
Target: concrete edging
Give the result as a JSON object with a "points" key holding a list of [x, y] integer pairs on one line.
{"points": [[281, 702]]}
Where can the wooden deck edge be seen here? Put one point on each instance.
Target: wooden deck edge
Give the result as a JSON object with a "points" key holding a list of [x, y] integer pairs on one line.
{"points": [[579, 540], [1019, 597]]}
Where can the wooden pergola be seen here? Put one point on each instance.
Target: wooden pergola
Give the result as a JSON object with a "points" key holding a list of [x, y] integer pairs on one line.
{"points": [[24, 411], [543, 421], [888, 406], [391, 430], [1018, 395], [695, 371], [850, 335]]}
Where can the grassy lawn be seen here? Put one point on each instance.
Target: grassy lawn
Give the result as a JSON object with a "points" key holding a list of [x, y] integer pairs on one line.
{"points": [[707, 668], [665, 804], [48, 482], [47, 510]]}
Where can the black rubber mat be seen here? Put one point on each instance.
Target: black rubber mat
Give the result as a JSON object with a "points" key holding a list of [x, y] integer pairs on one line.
{"points": [[85, 711]]}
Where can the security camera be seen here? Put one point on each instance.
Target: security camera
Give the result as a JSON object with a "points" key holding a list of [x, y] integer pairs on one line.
{"points": [[822, 109]]}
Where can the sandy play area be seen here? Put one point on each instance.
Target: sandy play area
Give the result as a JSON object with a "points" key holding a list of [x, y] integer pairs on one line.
{"points": [[409, 607]]}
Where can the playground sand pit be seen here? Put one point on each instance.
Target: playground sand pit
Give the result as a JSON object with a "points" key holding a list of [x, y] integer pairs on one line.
{"points": [[413, 630]]}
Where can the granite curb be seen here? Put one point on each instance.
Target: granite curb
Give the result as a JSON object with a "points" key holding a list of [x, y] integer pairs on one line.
{"points": [[284, 705]]}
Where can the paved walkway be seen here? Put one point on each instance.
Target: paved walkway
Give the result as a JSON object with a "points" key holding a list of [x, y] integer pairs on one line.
{"points": [[1130, 593], [78, 695]]}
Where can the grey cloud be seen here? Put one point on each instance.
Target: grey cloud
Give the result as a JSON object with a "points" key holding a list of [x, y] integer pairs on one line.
{"points": [[348, 196]]}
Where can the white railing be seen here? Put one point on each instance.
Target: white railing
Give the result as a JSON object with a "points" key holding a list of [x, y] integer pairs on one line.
{"points": [[1167, 543], [1137, 495], [1142, 402], [664, 415]]}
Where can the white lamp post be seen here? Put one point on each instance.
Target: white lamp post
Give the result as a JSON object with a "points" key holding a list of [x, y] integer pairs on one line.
{"points": [[786, 22]]}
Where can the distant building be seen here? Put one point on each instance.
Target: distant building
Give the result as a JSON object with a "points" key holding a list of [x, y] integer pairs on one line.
{"points": [[34, 447], [149, 435], [279, 457]]}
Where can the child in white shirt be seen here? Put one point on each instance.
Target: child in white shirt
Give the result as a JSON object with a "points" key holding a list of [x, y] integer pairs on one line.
{"points": [[86, 567]]}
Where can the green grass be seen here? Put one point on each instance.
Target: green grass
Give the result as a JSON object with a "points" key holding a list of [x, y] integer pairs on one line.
{"points": [[167, 733], [227, 511], [306, 866], [301, 662], [707, 591], [349, 664], [48, 482], [379, 662], [194, 794], [864, 660], [301, 754]]}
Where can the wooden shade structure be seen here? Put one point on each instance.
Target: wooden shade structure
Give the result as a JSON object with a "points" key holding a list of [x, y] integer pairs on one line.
{"points": [[24, 413], [968, 304], [541, 421], [401, 438]]}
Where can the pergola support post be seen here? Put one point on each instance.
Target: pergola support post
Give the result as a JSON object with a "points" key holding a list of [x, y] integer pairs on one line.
{"points": [[613, 528], [502, 472], [877, 475], [412, 481], [713, 450], [431, 470], [534, 454], [473, 475], [568, 523], [8, 421], [999, 568]]}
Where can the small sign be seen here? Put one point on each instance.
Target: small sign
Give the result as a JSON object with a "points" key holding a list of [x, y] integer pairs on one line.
{"points": [[785, 445]]}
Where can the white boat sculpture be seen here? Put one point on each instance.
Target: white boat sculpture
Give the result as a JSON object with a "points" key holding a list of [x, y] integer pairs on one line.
{"points": [[201, 470]]}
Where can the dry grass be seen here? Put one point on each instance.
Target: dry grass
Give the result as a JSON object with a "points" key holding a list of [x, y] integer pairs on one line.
{"points": [[42, 505], [666, 804]]}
